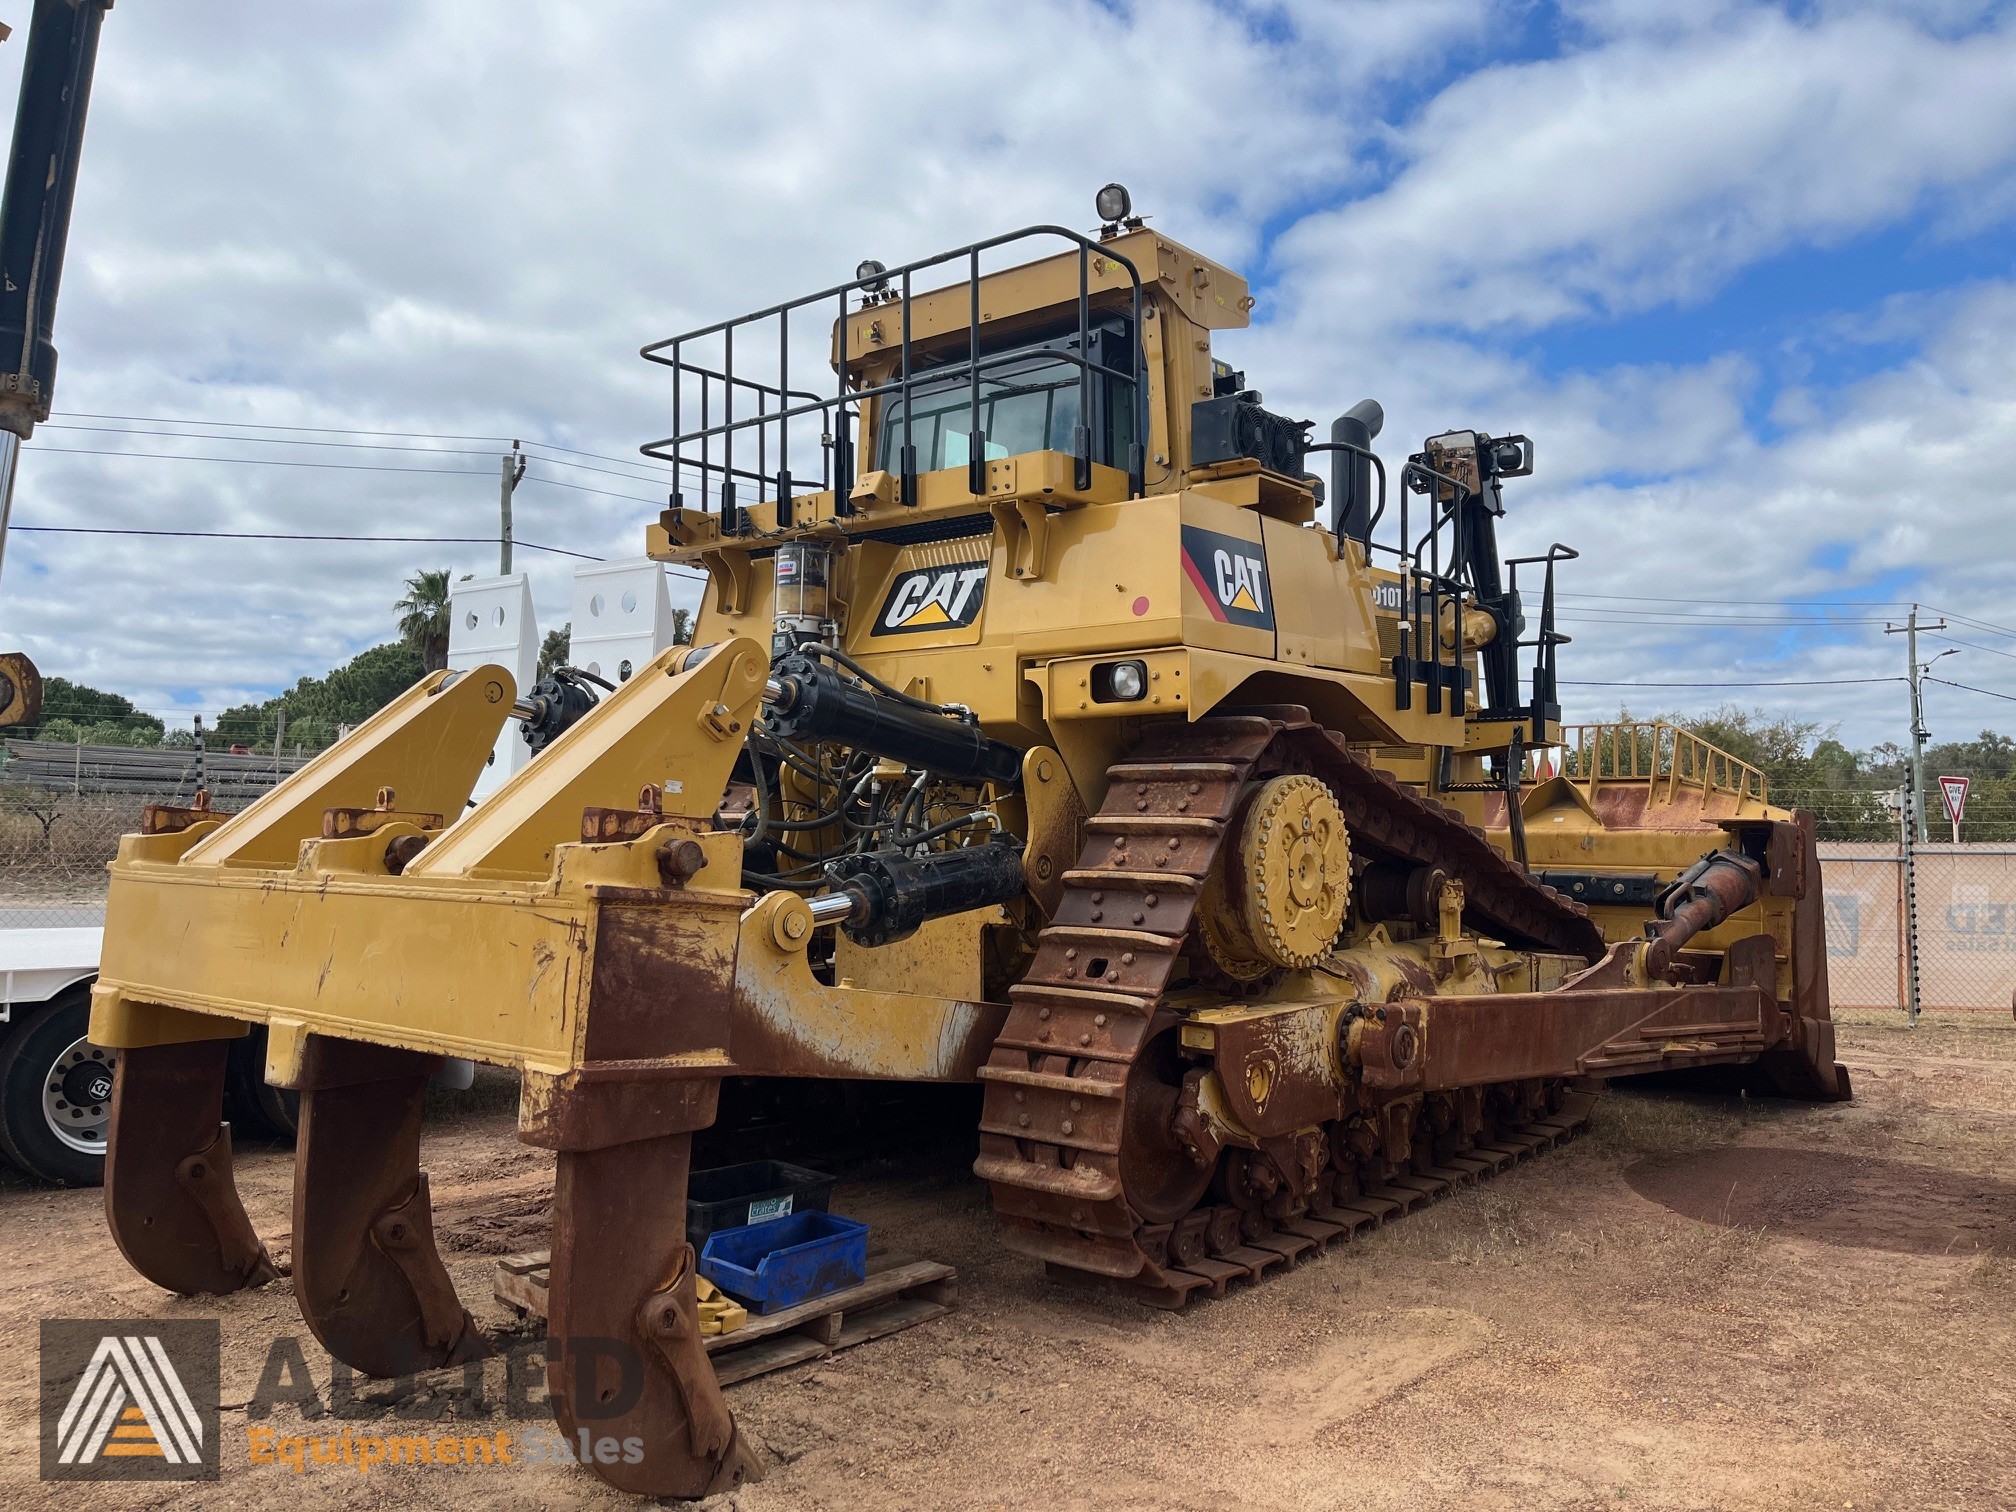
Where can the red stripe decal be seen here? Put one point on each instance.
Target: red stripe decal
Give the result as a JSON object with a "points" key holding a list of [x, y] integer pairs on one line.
{"points": [[1204, 589]]}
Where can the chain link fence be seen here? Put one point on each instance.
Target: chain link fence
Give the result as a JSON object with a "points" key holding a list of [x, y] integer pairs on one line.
{"points": [[1965, 925], [64, 805]]}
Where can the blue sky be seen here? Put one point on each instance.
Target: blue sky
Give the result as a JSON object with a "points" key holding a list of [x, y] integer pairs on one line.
{"points": [[1743, 270]]}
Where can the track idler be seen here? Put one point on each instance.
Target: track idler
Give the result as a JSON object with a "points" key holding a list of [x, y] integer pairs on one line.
{"points": [[369, 1280], [170, 1197]]}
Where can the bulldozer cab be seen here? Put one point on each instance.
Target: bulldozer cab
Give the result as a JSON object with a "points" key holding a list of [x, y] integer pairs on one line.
{"points": [[984, 407]]}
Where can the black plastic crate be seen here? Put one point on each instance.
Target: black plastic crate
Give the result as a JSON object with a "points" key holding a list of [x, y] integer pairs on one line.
{"points": [[754, 1192]]}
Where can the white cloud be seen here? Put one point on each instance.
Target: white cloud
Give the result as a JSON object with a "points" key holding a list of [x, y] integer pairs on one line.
{"points": [[1646, 171], [465, 218]]}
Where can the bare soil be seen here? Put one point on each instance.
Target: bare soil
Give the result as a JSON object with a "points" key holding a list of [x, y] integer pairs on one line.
{"points": [[1705, 1304]]}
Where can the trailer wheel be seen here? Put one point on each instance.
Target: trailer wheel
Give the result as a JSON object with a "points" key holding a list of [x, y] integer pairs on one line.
{"points": [[257, 1110], [56, 1095]]}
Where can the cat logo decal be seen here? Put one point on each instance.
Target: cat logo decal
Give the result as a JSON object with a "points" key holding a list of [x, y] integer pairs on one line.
{"points": [[933, 598], [1230, 575]]}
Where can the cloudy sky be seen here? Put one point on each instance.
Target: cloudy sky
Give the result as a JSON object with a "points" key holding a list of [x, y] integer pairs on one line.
{"points": [[1743, 270]]}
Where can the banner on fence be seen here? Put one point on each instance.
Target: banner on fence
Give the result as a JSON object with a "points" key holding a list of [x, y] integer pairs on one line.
{"points": [[1966, 925]]}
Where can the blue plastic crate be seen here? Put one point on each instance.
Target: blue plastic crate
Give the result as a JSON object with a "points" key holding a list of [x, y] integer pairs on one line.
{"points": [[786, 1261]]}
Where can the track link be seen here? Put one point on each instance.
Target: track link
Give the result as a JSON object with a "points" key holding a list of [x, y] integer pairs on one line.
{"points": [[1054, 1142]]}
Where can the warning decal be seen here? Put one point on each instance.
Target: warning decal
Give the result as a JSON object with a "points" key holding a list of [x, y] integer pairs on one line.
{"points": [[1231, 577]]}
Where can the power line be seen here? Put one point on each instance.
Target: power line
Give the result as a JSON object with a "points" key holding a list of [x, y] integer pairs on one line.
{"points": [[274, 535], [584, 488], [1978, 624], [191, 435], [473, 472], [1804, 682], [325, 430], [1749, 603], [642, 474], [1968, 688], [78, 451], [1971, 645], [1694, 621], [337, 430]]}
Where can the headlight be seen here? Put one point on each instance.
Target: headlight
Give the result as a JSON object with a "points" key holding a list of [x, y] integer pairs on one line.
{"points": [[1119, 682], [1114, 204]]}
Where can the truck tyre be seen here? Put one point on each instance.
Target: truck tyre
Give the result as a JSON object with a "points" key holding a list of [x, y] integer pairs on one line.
{"points": [[255, 1109], [56, 1094]]}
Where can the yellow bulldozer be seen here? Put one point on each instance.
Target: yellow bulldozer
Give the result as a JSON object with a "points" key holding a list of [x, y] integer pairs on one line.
{"points": [[1051, 725]]}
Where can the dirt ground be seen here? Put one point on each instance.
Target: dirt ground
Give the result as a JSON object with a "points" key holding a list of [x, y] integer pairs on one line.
{"points": [[1704, 1304]]}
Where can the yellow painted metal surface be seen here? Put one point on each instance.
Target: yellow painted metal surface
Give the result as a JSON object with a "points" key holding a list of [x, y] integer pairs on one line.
{"points": [[845, 1032], [436, 736], [681, 729]]}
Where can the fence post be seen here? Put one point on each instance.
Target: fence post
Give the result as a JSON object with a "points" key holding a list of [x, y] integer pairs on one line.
{"points": [[77, 772], [1910, 906], [279, 736]]}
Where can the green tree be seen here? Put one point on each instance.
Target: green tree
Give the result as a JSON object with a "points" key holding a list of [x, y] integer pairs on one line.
{"points": [[423, 617], [553, 650], [316, 707], [75, 706], [682, 627]]}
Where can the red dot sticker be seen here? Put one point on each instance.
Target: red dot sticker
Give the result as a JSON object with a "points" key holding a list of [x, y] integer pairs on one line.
{"points": [[1140, 606]]}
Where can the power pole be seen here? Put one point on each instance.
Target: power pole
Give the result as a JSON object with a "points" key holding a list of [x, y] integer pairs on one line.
{"points": [[1909, 630], [513, 473]]}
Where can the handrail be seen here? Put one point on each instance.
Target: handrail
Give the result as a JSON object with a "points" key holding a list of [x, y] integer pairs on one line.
{"points": [[837, 469], [1659, 754]]}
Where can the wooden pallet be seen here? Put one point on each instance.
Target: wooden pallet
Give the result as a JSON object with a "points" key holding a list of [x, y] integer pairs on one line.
{"points": [[899, 1293]]}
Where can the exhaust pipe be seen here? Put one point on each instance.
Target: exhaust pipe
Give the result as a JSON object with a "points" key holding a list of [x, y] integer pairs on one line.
{"points": [[1350, 474]]}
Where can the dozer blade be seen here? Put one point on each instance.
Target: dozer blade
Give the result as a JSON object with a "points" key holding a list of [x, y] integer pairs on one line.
{"points": [[626, 1360], [369, 1280], [170, 1197]]}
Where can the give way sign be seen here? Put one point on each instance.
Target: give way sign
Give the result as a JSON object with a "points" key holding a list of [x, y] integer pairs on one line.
{"points": [[1954, 791]]}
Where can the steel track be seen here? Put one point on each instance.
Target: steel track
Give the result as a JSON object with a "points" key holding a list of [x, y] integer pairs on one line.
{"points": [[1055, 1145]]}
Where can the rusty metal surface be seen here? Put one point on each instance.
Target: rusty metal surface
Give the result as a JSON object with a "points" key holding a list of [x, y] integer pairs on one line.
{"points": [[627, 1359], [346, 823], [1084, 1137], [1393, 823], [170, 819], [662, 976], [1466, 1041], [1725, 882], [1807, 1068], [1098, 1143], [169, 1194], [367, 1275]]}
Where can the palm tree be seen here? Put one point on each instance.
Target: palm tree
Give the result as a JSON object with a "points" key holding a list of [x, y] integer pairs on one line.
{"points": [[423, 617]]}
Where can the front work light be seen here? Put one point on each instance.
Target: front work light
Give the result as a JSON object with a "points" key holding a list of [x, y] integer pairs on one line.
{"points": [[1114, 203], [1119, 682]]}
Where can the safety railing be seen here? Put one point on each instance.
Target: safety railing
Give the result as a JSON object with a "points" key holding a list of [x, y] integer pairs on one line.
{"points": [[747, 425], [1438, 571], [1663, 755]]}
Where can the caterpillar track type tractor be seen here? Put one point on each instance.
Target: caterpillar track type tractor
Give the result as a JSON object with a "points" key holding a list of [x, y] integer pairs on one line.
{"points": [[1052, 724]]}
